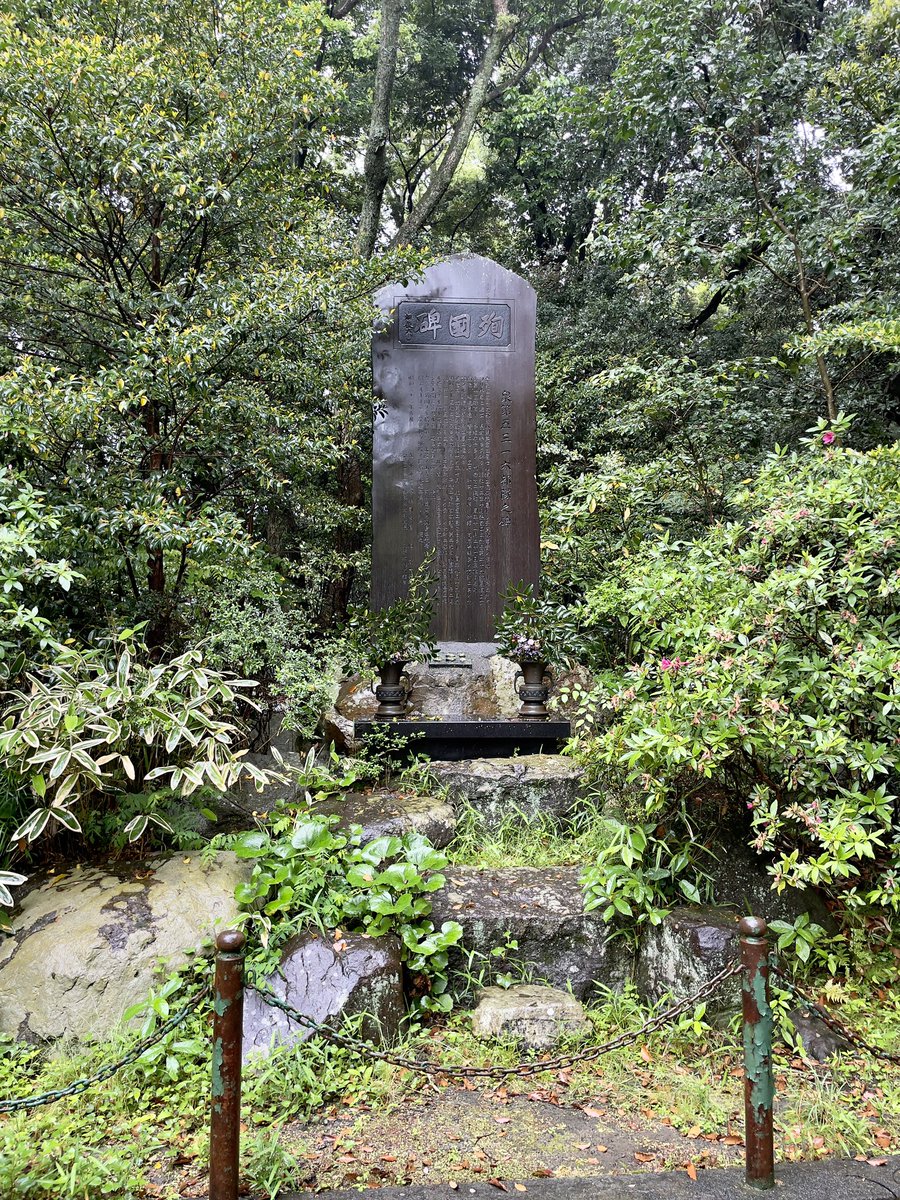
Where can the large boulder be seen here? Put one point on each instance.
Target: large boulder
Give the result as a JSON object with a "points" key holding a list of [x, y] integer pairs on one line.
{"points": [[392, 813], [85, 945], [523, 786], [326, 978], [685, 951], [542, 912], [534, 1015]]}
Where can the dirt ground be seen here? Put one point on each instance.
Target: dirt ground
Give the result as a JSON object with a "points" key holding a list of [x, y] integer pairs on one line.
{"points": [[451, 1134]]}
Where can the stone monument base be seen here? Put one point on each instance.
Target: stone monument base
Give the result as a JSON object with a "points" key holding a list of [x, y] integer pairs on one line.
{"points": [[462, 704], [454, 739]]}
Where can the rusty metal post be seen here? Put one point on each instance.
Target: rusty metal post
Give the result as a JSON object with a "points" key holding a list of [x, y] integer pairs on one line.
{"points": [[228, 1017], [759, 1086]]}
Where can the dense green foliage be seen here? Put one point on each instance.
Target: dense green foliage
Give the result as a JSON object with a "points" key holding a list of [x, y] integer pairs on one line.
{"points": [[310, 873], [196, 206], [767, 672]]}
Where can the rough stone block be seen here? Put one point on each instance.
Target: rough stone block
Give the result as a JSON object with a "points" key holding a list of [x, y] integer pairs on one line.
{"points": [[537, 1016], [325, 980], [543, 911], [499, 788], [384, 813], [686, 949], [84, 945], [740, 879]]}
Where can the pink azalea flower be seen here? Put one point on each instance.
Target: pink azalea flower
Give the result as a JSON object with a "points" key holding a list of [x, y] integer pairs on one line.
{"points": [[827, 437]]}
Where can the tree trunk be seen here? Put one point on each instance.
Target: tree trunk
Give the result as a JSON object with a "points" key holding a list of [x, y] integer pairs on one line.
{"points": [[375, 168], [501, 35]]}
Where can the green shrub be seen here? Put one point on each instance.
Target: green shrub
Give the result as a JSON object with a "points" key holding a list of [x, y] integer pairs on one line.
{"points": [[103, 732], [769, 681], [308, 872]]}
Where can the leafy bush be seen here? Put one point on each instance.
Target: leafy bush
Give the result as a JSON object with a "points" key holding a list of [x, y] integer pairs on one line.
{"points": [[99, 725], [770, 677], [26, 523], [251, 623], [309, 873]]}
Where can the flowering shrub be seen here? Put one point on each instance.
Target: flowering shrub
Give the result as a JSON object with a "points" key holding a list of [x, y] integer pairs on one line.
{"points": [[769, 676]]}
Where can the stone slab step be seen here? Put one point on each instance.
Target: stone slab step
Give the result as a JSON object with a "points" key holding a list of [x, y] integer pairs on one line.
{"points": [[503, 788], [542, 911], [391, 813], [838, 1179]]}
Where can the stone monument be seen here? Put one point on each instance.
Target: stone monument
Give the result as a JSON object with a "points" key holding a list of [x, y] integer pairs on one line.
{"points": [[454, 461], [454, 441]]}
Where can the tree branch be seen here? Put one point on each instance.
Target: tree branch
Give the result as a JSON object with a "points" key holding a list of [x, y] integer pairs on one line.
{"points": [[501, 35]]}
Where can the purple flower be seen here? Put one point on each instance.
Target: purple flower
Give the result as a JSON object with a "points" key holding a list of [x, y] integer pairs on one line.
{"points": [[827, 437]]}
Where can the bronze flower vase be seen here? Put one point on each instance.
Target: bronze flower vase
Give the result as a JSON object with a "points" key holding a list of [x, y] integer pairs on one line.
{"points": [[535, 690], [392, 693]]}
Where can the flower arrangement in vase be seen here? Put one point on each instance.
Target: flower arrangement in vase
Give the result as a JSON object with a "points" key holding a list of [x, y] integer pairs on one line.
{"points": [[390, 638], [536, 634]]}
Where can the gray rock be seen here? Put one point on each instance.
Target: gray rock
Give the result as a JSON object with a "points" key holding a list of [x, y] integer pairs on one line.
{"points": [[326, 979], [543, 911], [238, 808], [739, 878], [85, 945], [687, 949], [536, 1016], [819, 1042], [499, 788], [285, 741], [389, 813]]}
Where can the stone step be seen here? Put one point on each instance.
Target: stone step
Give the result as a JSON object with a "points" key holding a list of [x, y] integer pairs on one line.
{"points": [[503, 788], [394, 813], [541, 910]]}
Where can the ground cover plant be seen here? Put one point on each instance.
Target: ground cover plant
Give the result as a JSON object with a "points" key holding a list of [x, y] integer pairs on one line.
{"points": [[322, 1117]]}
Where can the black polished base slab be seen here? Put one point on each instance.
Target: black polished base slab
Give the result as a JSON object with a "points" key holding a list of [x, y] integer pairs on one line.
{"points": [[455, 739]]}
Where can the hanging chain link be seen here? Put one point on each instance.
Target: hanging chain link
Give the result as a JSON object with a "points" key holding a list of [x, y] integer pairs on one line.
{"points": [[430, 1067], [835, 1024], [82, 1085], [524, 1069]]}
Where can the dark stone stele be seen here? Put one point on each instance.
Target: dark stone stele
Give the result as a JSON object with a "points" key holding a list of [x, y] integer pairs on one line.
{"points": [[454, 441]]}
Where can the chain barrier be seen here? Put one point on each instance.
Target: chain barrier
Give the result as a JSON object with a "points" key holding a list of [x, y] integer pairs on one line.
{"points": [[82, 1085], [830, 1021], [523, 1069]]}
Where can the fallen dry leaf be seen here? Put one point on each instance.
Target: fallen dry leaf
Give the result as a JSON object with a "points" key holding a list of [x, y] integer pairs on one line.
{"points": [[520, 1187], [692, 1171], [497, 1183], [877, 1162], [644, 1157], [646, 1055], [592, 1112], [732, 1140], [694, 1131], [542, 1173], [601, 1149], [388, 1158], [502, 1120]]}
